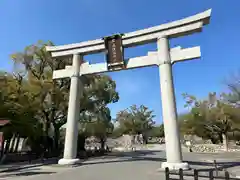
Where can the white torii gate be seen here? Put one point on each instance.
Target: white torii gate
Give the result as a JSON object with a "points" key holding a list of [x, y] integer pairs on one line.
{"points": [[163, 58]]}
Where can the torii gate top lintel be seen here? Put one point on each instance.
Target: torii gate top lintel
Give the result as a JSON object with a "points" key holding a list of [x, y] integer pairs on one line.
{"points": [[173, 29]]}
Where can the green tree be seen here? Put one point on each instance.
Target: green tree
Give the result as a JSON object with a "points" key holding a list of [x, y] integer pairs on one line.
{"points": [[136, 120], [14, 106], [157, 131], [211, 118], [50, 97], [96, 124]]}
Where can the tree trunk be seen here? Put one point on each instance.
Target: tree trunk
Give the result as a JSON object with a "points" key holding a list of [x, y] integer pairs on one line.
{"points": [[81, 142], [46, 133], [46, 128], [225, 141], [56, 138], [102, 141], [220, 137], [145, 139]]}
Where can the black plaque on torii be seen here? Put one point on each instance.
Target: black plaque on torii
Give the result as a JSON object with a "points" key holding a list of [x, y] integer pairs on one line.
{"points": [[114, 52]]}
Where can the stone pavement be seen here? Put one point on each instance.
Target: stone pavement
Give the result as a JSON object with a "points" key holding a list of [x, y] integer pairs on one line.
{"points": [[141, 165], [107, 168]]}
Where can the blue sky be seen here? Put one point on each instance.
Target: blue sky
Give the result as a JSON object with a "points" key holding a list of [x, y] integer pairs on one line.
{"points": [[25, 22]]}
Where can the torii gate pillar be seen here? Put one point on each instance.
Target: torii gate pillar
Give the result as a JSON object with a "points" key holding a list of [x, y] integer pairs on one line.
{"points": [[71, 136], [169, 110]]}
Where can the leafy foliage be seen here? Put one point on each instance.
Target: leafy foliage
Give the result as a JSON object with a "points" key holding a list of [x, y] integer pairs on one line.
{"points": [[213, 118], [135, 120], [157, 131], [31, 98]]}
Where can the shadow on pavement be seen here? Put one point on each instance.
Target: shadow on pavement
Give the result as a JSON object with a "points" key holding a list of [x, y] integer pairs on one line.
{"points": [[203, 167], [220, 165], [33, 173], [116, 161], [124, 157], [131, 154], [26, 165], [142, 156], [30, 172]]}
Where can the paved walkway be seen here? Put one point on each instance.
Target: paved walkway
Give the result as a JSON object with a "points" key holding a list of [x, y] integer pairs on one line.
{"points": [[108, 168], [142, 165]]}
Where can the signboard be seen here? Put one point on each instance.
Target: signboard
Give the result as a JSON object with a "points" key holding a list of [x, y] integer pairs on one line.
{"points": [[114, 54]]}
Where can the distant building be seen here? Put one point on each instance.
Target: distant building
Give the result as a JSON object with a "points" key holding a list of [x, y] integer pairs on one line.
{"points": [[15, 144]]}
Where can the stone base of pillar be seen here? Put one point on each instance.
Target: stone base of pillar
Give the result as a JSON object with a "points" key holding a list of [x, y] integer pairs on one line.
{"points": [[175, 166], [68, 161]]}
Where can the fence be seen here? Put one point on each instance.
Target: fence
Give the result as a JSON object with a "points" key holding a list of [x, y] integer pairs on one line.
{"points": [[196, 175]]}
